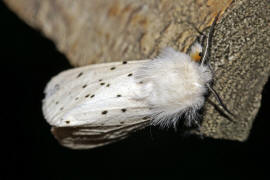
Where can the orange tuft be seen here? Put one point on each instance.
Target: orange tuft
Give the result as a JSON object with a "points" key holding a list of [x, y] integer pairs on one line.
{"points": [[196, 56]]}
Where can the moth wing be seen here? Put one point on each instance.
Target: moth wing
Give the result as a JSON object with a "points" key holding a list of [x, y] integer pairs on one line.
{"points": [[94, 95], [87, 137]]}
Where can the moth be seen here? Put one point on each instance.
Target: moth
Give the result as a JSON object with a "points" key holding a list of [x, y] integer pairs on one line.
{"points": [[98, 104]]}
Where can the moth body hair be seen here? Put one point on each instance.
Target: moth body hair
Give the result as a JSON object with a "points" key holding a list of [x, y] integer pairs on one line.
{"points": [[174, 86]]}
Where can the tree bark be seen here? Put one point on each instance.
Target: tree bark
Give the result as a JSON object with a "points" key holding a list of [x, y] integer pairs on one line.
{"points": [[97, 31]]}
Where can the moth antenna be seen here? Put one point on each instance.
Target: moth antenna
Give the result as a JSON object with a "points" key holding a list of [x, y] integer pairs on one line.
{"points": [[204, 58], [209, 38], [196, 29], [202, 36], [219, 99]]}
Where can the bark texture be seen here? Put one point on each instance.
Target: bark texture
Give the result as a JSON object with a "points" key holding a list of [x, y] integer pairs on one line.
{"points": [[98, 31]]}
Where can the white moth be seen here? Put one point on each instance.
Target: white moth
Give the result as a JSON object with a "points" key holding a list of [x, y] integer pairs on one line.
{"points": [[98, 104]]}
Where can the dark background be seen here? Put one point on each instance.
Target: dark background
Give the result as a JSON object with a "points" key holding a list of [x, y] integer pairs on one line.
{"points": [[29, 60]]}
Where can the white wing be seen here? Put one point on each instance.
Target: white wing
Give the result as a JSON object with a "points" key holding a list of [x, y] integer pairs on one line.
{"points": [[96, 94], [86, 137], [94, 105]]}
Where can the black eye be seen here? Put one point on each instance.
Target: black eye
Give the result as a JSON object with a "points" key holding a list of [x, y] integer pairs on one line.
{"points": [[200, 54]]}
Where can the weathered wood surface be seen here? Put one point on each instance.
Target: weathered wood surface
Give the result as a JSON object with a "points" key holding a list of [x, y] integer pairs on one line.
{"points": [[98, 31]]}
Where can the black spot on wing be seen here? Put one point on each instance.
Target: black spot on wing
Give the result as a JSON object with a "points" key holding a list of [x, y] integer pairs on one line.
{"points": [[113, 68], [123, 110], [84, 86], [79, 75], [108, 85], [100, 80], [86, 96], [124, 62], [118, 95], [130, 74], [102, 83], [104, 112], [67, 122]]}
